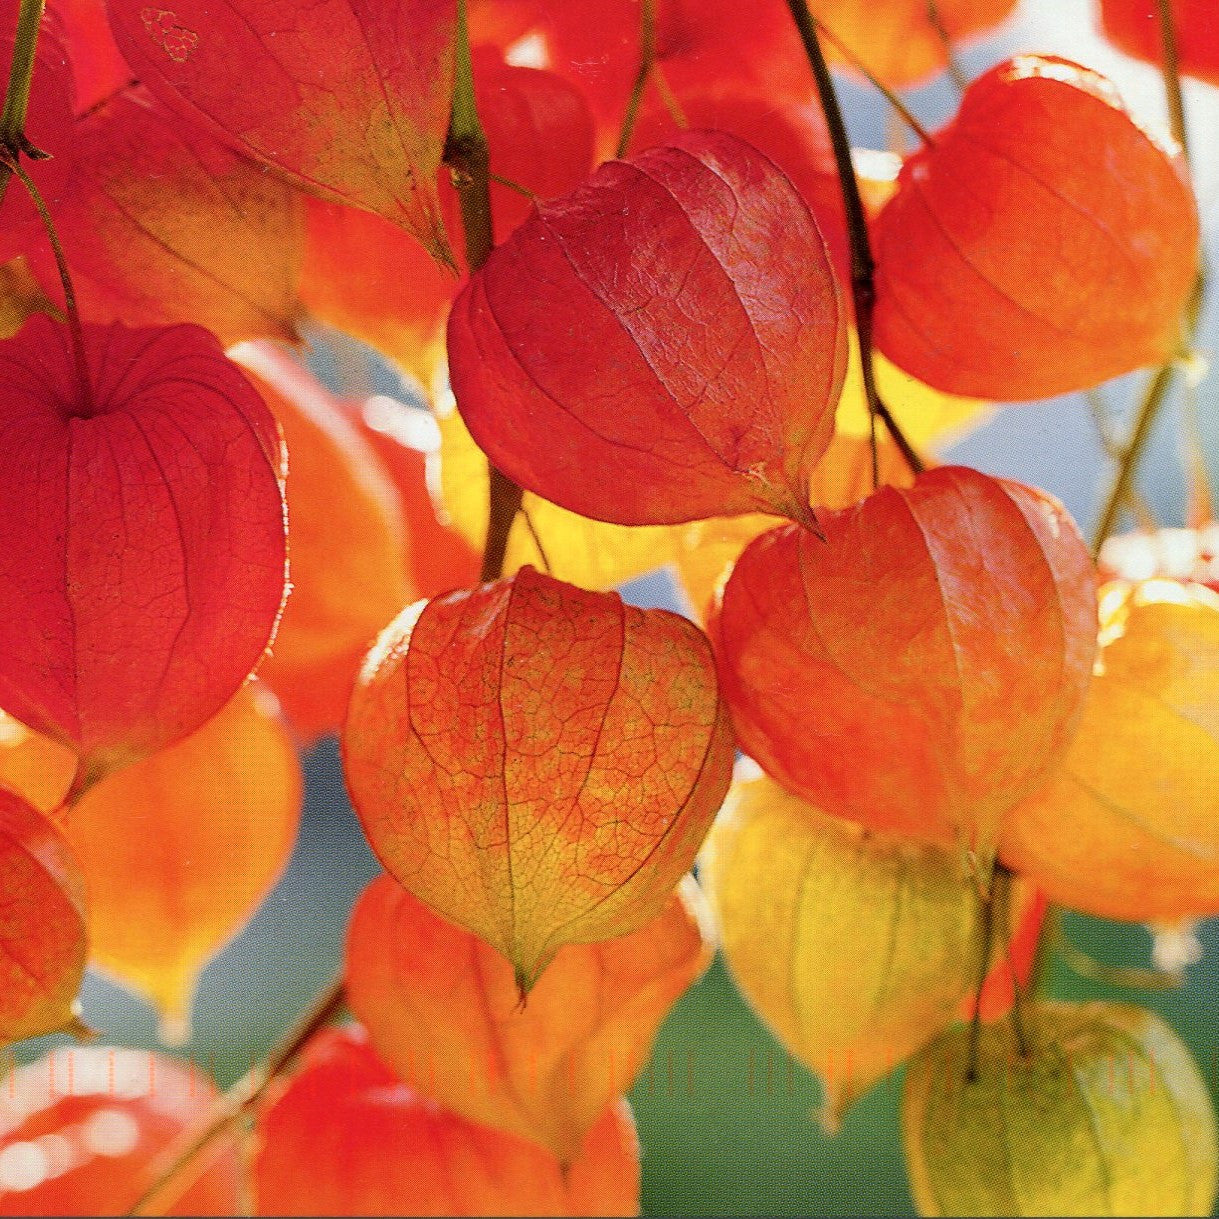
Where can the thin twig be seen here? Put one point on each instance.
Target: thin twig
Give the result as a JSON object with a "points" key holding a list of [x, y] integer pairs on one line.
{"points": [[647, 59], [899, 107], [951, 62], [170, 1175], [61, 263], [1170, 68], [1089, 967], [863, 268], [988, 939]]}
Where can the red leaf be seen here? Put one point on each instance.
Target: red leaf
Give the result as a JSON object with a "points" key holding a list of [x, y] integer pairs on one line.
{"points": [[923, 670], [1134, 27], [711, 341], [84, 1128], [974, 299], [42, 932], [537, 763], [350, 99], [97, 67], [163, 223], [142, 552], [346, 1137]]}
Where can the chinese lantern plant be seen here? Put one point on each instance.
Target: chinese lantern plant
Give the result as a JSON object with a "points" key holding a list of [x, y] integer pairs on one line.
{"points": [[922, 669], [537, 763]]}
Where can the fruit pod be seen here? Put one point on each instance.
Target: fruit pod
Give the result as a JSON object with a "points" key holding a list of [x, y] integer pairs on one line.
{"points": [[537, 763], [1044, 242], [344, 1136], [1128, 826], [1106, 1114], [922, 670], [441, 1008], [854, 948], [673, 323]]}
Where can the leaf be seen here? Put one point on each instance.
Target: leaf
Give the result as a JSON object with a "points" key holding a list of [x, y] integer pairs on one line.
{"points": [[699, 44], [975, 300], [570, 547], [163, 223], [710, 353], [42, 924], [142, 553], [537, 763], [897, 40], [346, 533], [82, 1130], [345, 1136], [441, 1008], [1134, 27], [349, 99], [180, 849], [1128, 828], [49, 128], [924, 669], [853, 948], [97, 67], [1108, 1115]]}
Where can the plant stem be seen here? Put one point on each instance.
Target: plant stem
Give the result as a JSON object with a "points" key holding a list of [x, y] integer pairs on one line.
{"points": [[466, 152], [1079, 962], [863, 268], [17, 96], [9, 160], [170, 1178], [1170, 68], [950, 56], [647, 58]]}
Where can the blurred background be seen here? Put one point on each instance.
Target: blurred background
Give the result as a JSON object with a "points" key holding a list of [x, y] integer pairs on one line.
{"points": [[727, 1121]]}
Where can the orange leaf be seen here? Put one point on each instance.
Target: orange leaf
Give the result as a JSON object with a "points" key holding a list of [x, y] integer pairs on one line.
{"points": [[974, 299], [81, 1131], [345, 1136], [42, 932], [923, 670], [1128, 827], [350, 99], [164, 223], [538, 763], [180, 849], [442, 1009]]}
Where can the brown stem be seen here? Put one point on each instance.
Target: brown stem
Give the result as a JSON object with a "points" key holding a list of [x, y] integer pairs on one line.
{"points": [[170, 1175], [1170, 69], [647, 58], [950, 55], [467, 154], [863, 267]]}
